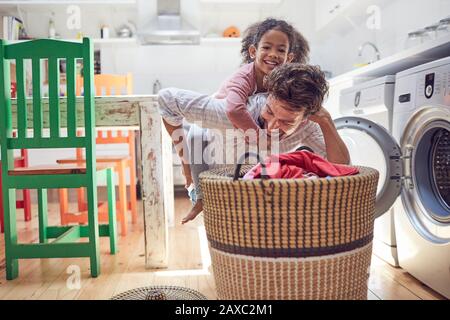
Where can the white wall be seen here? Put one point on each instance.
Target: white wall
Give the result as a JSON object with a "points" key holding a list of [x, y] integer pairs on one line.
{"points": [[201, 68], [339, 52], [335, 52]]}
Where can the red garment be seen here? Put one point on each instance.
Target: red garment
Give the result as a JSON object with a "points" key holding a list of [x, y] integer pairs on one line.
{"points": [[295, 165]]}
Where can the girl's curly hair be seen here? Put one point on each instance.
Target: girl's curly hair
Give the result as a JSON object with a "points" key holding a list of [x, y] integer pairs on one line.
{"points": [[298, 45]]}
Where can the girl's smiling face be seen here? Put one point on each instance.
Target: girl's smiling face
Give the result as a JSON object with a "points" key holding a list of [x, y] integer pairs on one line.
{"points": [[272, 51]]}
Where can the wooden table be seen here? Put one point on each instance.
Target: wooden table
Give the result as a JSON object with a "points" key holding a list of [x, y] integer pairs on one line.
{"points": [[155, 162]]}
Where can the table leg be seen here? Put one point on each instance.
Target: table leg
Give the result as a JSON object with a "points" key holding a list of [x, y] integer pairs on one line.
{"points": [[157, 185]]}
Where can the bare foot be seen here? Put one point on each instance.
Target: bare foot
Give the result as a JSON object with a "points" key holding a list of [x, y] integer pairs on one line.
{"points": [[195, 211]]}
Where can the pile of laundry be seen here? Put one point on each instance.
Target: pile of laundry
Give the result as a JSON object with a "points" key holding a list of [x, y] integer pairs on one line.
{"points": [[300, 165]]}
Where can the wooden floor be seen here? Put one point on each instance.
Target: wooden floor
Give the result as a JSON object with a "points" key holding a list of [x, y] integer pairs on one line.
{"points": [[188, 267]]}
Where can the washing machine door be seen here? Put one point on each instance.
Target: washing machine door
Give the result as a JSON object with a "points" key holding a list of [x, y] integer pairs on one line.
{"points": [[426, 196], [371, 145]]}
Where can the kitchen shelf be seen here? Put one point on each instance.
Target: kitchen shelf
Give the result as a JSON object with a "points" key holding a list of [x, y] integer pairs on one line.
{"points": [[242, 1], [207, 40], [114, 40], [10, 7], [94, 40], [134, 40], [66, 2]]}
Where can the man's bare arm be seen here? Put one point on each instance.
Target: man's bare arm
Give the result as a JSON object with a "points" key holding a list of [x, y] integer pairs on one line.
{"points": [[336, 149]]}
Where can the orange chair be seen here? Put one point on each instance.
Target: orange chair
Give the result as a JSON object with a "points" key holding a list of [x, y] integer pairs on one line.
{"points": [[19, 162], [109, 83]]}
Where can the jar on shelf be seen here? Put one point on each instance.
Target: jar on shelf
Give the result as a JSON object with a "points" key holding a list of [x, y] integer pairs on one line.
{"points": [[443, 28], [430, 32], [415, 38]]}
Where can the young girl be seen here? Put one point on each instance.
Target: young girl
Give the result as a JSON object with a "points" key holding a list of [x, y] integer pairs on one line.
{"points": [[265, 45]]}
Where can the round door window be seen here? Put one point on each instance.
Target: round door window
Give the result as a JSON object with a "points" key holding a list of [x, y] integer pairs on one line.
{"points": [[426, 197], [432, 172], [441, 166]]}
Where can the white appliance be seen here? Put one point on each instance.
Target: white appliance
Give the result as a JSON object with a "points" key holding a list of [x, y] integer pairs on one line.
{"points": [[422, 122], [372, 100], [418, 169]]}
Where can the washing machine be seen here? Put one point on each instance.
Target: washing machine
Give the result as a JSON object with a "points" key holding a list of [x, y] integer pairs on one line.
{"points": [[422, 122], [417, 177], [372, 100]]}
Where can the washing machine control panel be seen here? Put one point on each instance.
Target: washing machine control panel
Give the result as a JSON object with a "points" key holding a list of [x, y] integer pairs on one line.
{"points": [[357, 99], [432, 86], [429, 85]]}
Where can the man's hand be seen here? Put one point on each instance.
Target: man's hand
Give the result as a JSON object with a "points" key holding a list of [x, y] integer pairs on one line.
{"points": [[320, 116], [337, 151]]}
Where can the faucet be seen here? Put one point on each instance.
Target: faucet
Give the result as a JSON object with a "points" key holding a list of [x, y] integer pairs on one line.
{"points": [[156, 86], [377, 52]]}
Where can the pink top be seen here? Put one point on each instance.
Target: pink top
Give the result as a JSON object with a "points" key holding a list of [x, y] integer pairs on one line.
{"points": [[236, 91]]}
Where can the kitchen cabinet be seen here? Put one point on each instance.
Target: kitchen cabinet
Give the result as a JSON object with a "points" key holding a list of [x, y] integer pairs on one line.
{"points": [[328, 10]]}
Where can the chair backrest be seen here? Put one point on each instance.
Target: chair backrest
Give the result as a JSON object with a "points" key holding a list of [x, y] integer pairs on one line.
{"points": [[53, 51], [109, 84]]}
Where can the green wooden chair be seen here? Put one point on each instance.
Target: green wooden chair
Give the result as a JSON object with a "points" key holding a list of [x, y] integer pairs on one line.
{"points": [[54, 241]]}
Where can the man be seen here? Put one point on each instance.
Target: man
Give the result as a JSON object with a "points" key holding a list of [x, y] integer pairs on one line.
{"points": [[291, 111]]}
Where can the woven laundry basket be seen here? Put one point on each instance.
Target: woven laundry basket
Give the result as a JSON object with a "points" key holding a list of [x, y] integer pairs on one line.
{"points": [[290, 239]]}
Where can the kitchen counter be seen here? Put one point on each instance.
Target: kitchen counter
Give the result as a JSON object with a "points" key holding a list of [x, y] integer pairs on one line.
{"points": [[433, 50]]}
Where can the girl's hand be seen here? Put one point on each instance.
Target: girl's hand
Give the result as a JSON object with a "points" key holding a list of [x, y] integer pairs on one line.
{"points": [[265, 82]]}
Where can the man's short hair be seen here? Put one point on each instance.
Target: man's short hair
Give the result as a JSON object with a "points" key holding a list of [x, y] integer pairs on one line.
{"points": [[299, 85]]}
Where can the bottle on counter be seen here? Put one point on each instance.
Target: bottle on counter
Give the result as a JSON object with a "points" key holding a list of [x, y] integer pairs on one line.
{"points": [[51, 27], [104, 32]]}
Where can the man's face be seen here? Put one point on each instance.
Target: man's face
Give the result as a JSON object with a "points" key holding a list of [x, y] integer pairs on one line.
{"points": [[278, 115]]}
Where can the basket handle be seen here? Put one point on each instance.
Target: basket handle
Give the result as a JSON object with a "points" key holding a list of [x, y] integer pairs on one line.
{"points": [[305, 148], [243, 158]]}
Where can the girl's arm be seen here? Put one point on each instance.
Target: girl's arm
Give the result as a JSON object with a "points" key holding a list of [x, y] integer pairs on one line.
{"points": [[239, 88], [237, 112]]}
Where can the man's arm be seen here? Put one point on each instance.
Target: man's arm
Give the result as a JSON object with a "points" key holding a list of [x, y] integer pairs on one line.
{"points": [[337, 151]]}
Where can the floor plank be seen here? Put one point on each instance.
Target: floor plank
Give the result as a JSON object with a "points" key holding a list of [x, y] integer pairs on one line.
{"points": [[406, 280], [189, 266]]}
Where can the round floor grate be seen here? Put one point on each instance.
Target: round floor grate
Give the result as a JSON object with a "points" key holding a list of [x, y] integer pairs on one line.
{"points": [[160, 293]]}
